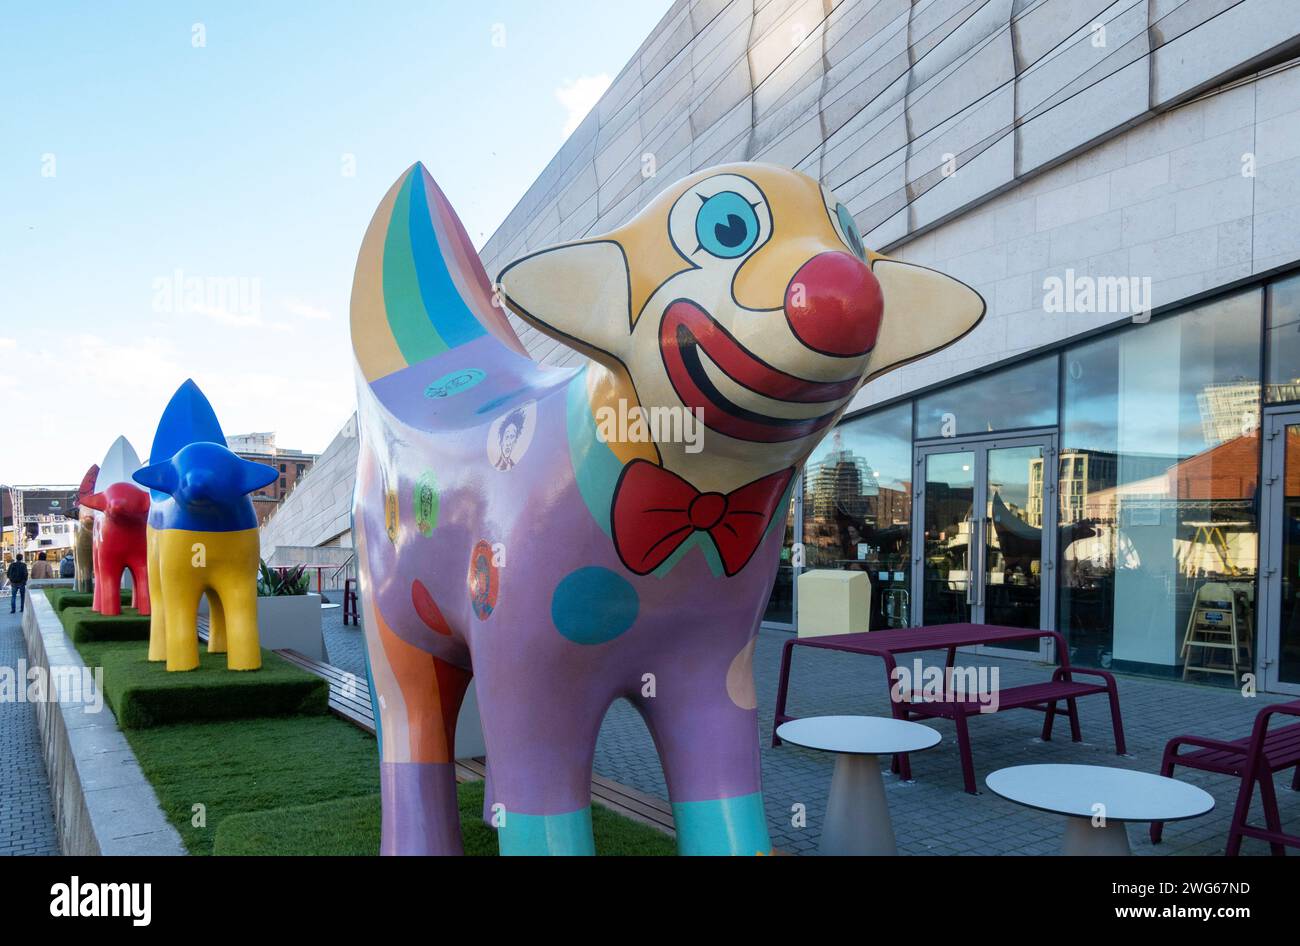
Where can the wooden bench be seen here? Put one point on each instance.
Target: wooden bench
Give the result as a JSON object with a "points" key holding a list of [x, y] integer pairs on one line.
{"points": [[1253, 759], [1046, 697]]}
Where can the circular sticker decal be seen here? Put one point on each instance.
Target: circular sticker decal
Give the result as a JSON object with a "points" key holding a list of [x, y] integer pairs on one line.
{"points": [[425, 503], [457, 382], [510, 435], [390, 505], [484, 581]]}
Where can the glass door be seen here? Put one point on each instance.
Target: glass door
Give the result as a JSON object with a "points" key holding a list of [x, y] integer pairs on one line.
{"points": [[986, 533], [1279, 611]]}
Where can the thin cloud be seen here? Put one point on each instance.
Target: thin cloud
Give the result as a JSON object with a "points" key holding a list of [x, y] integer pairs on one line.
{"points": [[578, 96]]}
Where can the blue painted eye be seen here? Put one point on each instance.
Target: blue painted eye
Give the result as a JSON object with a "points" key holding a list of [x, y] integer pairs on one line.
{"points": [[851, 232], [726, 225]]}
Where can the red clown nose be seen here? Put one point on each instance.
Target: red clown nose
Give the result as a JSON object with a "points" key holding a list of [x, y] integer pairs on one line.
{"points": [[834, 305]]}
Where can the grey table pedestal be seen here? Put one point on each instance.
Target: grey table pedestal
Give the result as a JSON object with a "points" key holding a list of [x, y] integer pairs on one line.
{"points": [[1083, 839], [857, 814]]}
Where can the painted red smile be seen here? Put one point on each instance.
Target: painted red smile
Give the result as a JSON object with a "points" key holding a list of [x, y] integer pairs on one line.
{"points": [[686, 328]]}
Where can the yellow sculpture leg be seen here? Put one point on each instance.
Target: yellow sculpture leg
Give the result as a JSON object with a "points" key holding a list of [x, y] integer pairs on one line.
{"points": [[224, 565], [216, 626], [158, 600]]}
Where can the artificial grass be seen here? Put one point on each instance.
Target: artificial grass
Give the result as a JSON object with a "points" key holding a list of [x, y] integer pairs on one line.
{"points": [[349, 827], [60, 598], [254, 765], [144, 694], [86, 625]]}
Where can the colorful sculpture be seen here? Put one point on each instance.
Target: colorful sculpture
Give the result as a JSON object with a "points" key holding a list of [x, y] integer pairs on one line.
{"points": [[119, 545], [575, 536], [202, 537], [83, 538]]}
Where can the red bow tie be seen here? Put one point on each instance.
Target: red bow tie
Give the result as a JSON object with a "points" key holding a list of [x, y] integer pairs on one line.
{"points": [[655, 511]]}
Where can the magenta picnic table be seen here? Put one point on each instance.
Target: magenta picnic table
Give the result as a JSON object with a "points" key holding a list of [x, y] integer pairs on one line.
{"points": [[1045, 697]]}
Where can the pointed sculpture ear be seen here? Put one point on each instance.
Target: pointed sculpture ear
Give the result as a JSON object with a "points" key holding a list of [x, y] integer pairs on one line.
{"points": [[924, 311], [254, 475], [158, 476], [577, 293], [95, 501]]}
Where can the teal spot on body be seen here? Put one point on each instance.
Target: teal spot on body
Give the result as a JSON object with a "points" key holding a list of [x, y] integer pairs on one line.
{"points": [[593, 605], [457, 382]]}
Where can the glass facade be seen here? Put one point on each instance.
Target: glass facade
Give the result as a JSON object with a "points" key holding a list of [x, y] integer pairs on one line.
{"points": [[1113, 482], [1017, 397], [857, 508]]}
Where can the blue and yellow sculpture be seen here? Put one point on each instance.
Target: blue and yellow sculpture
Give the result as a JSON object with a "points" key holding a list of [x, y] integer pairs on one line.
{"points": [[202, 537]]}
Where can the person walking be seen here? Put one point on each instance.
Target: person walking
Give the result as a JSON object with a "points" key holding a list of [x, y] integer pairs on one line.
{"points": [[68, 565], [42, 569], [17, 574]]}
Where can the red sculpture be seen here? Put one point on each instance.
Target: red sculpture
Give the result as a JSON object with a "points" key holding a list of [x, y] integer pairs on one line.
{"points": [[120, 543]]}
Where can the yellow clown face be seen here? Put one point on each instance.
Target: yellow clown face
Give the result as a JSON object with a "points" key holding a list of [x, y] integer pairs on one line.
{"points": [[744, 295]]}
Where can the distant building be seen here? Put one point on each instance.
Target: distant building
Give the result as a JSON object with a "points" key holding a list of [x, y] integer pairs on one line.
{"points": [[289, 463], [44, 526]]}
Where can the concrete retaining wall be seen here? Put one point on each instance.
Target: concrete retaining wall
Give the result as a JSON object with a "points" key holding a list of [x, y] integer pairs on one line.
{"points": [[102, 802]]}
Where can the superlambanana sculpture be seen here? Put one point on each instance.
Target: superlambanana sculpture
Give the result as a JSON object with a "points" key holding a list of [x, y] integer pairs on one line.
{"points": [[83, 540], [202, 537], [120, 509], [575, 536]]}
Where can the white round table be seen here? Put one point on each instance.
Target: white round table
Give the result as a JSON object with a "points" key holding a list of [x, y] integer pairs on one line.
{"points": [[857, 814], [1098, 801]]}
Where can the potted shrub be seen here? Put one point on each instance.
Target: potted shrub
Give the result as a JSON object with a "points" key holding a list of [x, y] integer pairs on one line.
{"points": [[288, 615]]}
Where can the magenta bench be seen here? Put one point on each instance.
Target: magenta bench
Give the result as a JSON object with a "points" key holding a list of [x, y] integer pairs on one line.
{"points": [[1046, 697], [1253, 759]]}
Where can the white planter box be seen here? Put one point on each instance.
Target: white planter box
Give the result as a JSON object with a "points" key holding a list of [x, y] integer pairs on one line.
{"points": [[289, 622]]}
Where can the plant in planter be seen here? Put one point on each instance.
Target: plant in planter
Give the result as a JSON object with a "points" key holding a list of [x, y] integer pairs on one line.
{"points": [[272, 584]]}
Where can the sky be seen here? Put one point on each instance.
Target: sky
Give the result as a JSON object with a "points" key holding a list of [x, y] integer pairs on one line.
{"points": [[184, 187]]}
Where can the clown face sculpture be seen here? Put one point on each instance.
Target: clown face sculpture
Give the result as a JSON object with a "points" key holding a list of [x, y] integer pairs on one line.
{"points": [[609, 531]]}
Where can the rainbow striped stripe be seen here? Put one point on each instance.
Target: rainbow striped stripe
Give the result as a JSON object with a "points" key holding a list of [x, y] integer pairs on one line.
{"points": [[420, 288]]}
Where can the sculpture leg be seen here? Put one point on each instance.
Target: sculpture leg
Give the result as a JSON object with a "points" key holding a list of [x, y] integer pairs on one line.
{"points": [[229, 566], [417, 697], [238, 603], [216, 625], [540, 739], [140, 596], [111, 592], [182, 587], [709, 751], [157, 604]]}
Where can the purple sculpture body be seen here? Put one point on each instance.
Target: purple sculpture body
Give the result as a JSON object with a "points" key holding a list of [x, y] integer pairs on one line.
{"points": [[572, 536]]}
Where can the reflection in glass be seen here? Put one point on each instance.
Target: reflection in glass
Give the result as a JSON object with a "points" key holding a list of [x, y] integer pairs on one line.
{"points": [[1158, 471], [1013, 554], [1283, 357], [1021, 396], [1289, 657], [780, 603], [949, 494], [857, 508]]}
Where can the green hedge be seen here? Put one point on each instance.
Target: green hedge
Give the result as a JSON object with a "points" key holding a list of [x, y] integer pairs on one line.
{"points": [[60, 598], [143, 694], [353, 830], [85, 625]]}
